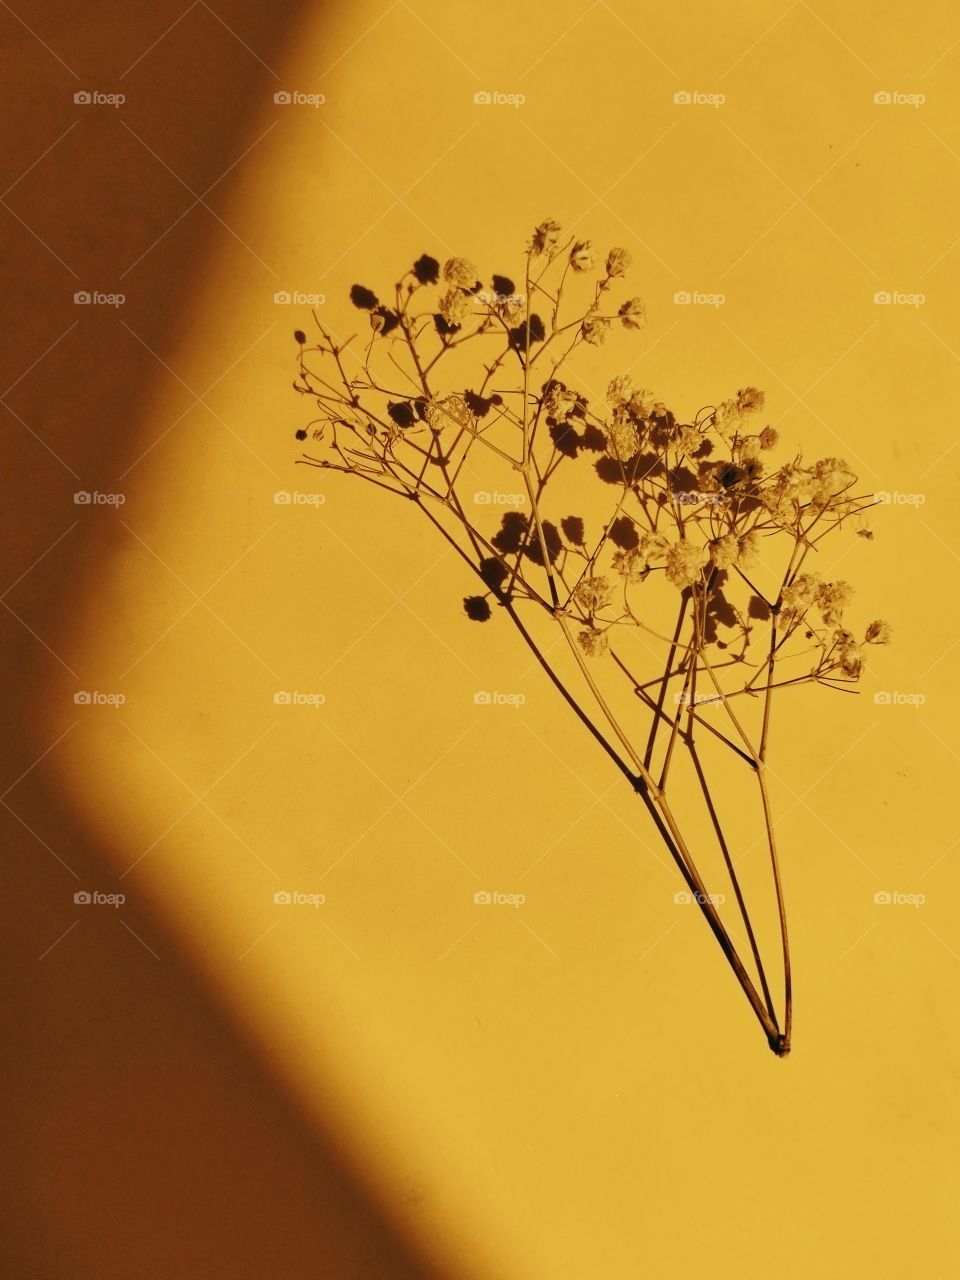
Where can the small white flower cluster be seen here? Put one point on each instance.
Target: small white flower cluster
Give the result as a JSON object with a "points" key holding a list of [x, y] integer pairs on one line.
{"points": [[700, 504]]}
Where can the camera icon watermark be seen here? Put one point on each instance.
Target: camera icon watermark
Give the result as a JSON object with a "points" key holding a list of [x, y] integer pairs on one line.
{"points": [[683, 898]]}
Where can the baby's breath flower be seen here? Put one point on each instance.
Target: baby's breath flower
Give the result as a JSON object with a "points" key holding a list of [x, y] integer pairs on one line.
{"points": [[452, 411], [633, 564], [807, 585], [790, 490], [509, 307], [878, 632], [630, 564], [724, 551], [455, 306], [595, 331], [830, 476], [685, 560], [832, 598], [749, 548], [460, 271], [594, 643], [653, 546], [582, 257], [709, 481], [545, 237], [643, 403], [592, 594], [622, 438], [848, 652], [726, 418], [620, 389], [558, 400], [749, 399], [728, 551], [689, 439], [633, 314], [851, 663], [799, 596], [619, 262]]}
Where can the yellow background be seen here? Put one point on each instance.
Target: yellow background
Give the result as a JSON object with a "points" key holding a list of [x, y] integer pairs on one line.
{"points": [[574, 1088]]}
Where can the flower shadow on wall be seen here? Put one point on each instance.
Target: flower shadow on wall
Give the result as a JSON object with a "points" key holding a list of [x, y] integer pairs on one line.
{"points": [[671, 555]]}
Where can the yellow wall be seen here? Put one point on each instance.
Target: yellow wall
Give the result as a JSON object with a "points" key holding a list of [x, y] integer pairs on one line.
{"points": [[576, 1087]]}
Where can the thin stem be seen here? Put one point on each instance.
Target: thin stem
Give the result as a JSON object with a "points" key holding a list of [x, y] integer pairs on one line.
{"points": [[771, 840]]}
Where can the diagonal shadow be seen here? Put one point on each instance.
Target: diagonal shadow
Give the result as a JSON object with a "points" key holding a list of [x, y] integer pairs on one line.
{"points": [[150, 1138]]}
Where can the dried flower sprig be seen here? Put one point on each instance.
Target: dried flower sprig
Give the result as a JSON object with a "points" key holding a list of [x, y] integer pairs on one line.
{"points": [[702, 548]]}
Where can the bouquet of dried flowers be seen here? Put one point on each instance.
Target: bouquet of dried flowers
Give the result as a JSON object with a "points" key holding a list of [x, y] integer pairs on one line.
{"points": [[697, 562]]}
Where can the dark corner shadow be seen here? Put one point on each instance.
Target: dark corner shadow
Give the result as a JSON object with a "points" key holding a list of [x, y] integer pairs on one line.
{"points": [[148, 1137]]}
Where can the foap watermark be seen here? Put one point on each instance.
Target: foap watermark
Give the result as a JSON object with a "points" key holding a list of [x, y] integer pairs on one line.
{"points": [[486, 898], [896, 898], [897, 698], [897, 98], [886, 498], [694, 298], [684, 698], [94, 98], [696, 498], [496, 498], [897, 298], [286, 498], [494, 698], [97, 698], [296, 898], [95, 898], [487, 298], [296, 298], [298, 698], [95, 298], [683, 898], [694, 98], [297, 98], [494, 98], [94, 498]]}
